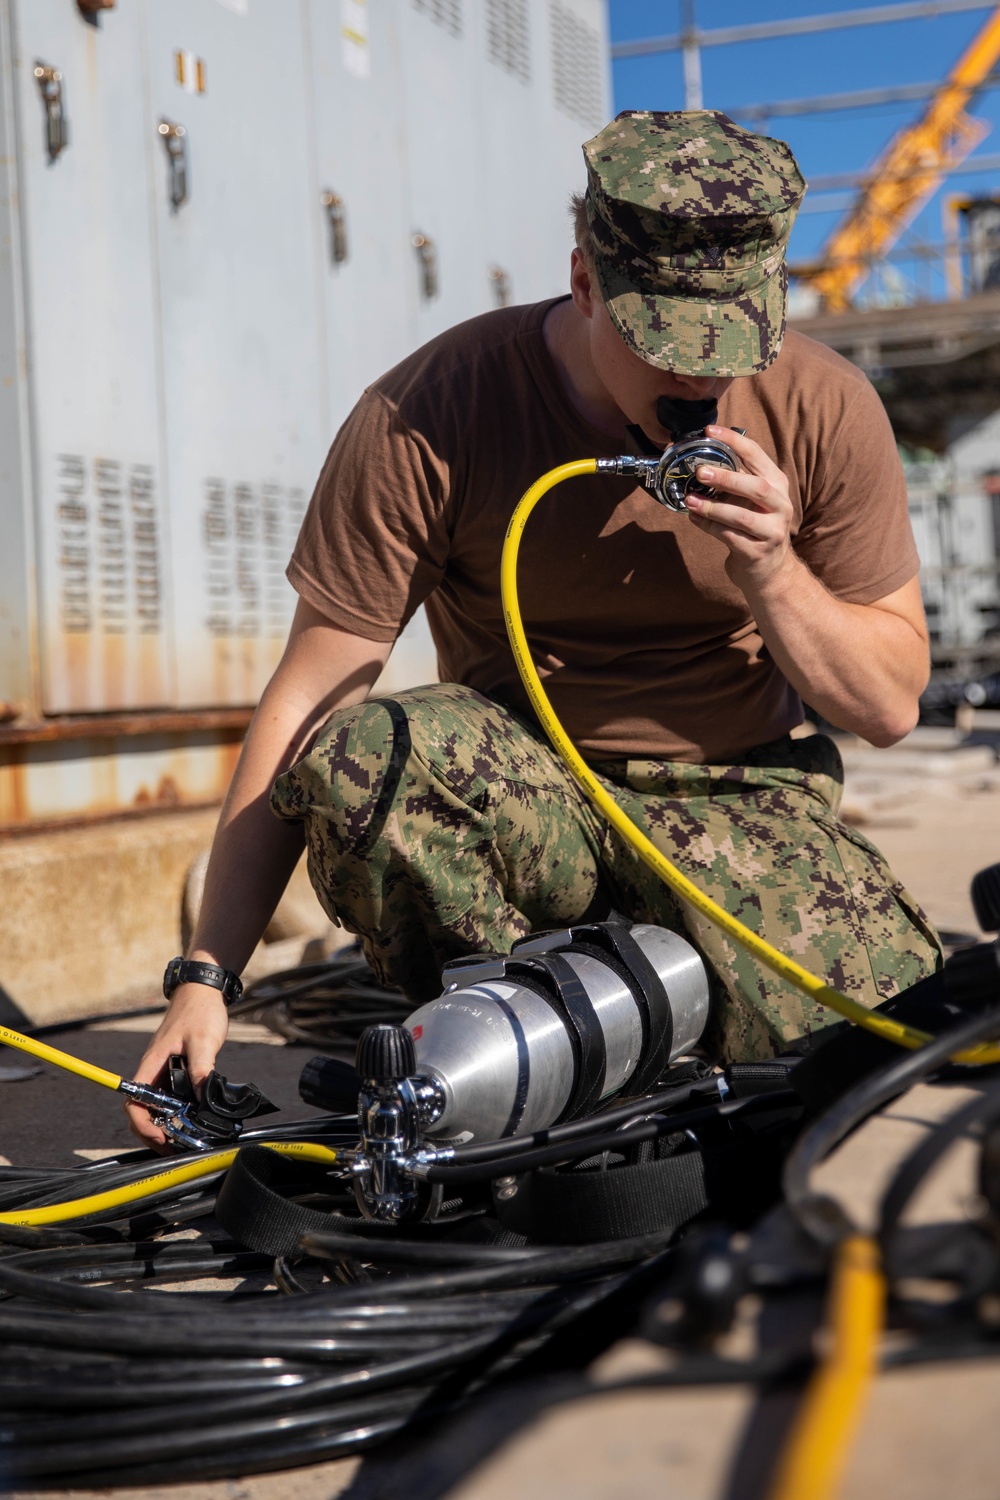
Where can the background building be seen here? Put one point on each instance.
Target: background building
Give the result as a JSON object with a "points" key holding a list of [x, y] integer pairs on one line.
{"points": [[218, 220]]}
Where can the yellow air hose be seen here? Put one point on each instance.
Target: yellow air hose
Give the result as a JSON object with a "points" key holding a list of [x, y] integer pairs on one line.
{"points": [[813, 1459], [63, 1060], [166, 1177], [810, 1466], [133, 1192], [786, 968]]}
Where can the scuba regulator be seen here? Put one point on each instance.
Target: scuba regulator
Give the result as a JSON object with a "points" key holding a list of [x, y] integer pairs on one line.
{"points": [[671, 476]]}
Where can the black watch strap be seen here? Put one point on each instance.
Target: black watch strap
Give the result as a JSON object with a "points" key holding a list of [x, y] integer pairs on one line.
{"points": [[189, 971]]}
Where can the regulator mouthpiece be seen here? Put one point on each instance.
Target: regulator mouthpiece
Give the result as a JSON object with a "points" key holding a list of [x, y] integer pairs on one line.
{"points": [[686, 418]]}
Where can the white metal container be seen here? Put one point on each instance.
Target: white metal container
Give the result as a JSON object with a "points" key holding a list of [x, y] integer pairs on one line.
{"points": [[197, 286]]}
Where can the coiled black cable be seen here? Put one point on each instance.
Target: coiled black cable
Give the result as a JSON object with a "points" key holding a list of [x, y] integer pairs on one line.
{"points": [[315, 1375], [199, 1382], [821, 1218], [328, 1004], [974, 1116]]}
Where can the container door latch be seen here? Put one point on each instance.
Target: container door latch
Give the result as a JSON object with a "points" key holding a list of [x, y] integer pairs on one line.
{"points": [[174, 138], [56, 123], [428, 260], [337, 218]]}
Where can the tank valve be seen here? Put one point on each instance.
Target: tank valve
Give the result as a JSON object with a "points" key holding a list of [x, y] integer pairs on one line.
{"points": [[393, 1108]]}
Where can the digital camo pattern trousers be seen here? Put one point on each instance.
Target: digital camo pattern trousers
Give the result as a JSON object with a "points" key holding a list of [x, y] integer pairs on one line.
{"points": [[437, 824]]}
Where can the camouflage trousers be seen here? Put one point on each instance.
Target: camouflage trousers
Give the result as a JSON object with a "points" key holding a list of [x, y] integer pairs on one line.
{"points": [[438, 824]]}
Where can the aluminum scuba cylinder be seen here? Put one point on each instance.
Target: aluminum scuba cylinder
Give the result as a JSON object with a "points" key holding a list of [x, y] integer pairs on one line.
{"points": [[567, 1020]]}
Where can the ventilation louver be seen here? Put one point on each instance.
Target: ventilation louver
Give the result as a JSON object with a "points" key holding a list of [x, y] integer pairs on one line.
{"points": [[507, 36], [446, 13], [576, 64]]}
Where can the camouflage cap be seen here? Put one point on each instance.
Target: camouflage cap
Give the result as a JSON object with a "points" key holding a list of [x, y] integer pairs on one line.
{"points": [[689, 216]]}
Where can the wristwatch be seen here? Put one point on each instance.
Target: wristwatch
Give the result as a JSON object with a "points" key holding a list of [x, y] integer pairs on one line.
{"points": [[189, 971]]}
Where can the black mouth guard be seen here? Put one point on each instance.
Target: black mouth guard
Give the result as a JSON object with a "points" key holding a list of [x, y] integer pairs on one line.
{"points": [[223, 1107], [683, 417]]}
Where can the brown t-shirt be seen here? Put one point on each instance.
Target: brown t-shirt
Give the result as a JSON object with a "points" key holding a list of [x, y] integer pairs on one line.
{"points": [[647, 648]]}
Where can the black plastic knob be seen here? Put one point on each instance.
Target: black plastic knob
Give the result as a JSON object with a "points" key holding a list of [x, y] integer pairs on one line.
{"points": [[385, 1054], [972, 976], [331, 1084], [986, 898]]}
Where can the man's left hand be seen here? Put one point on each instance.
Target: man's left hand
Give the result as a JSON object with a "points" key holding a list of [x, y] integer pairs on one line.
{"points": [[752, 512]]}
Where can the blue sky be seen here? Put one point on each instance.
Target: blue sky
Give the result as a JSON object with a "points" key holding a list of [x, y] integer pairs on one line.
{"points": [[919, 51]]}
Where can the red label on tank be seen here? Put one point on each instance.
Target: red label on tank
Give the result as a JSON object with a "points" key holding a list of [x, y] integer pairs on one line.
{"points": [[417, 1033]]}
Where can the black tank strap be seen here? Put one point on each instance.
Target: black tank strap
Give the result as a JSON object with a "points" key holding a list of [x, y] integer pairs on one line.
{"points": [[555, 981], [562, 985], [544, 969], [653, 1001], [614, 939]]}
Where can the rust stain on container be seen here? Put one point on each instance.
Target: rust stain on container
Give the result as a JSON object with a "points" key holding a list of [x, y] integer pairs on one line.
{"points": [[167, 794], [13, 802], [232, 722], [48, 783]]}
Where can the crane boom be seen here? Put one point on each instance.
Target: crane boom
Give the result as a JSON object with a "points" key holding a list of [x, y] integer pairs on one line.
{"points": [[906, 174]]}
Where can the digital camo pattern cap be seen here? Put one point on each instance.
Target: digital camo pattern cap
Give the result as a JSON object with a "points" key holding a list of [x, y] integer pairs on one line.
{"points": [[690, 216]]}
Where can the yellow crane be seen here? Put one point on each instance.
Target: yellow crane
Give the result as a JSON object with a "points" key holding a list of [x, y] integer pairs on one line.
{"points": [[905, 175]]}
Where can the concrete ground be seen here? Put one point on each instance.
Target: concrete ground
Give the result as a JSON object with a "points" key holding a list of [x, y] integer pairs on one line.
{"points": [[933, 806]]}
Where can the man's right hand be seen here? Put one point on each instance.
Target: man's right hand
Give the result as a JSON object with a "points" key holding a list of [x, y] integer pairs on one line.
{"points": [[194, 1027]]}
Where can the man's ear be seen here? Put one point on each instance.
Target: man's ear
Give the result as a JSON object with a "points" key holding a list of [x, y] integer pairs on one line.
{"points": [[581, 285]]}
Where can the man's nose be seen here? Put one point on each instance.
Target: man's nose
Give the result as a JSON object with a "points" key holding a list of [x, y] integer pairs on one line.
{"points": [[697, 385]]}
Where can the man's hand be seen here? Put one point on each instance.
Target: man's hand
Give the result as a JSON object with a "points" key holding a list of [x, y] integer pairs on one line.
{"points": [[194, 1027], [862, 666], [752, 514]]}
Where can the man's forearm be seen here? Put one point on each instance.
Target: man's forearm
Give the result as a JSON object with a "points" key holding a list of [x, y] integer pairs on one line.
{"points": [[862, 666], [252, 860], [254, 853]]}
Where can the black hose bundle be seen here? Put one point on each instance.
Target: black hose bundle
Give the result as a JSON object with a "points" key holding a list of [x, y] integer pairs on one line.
{"points": [[198, 1386], [137, 1354], [327, 1004], [358, 1333], [820, 1216]]}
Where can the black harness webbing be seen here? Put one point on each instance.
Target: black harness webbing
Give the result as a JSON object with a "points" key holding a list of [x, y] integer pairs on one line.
{"points": [[251, 1208], [584, 1206], [567, 994], [549, 1207], [612, 943]]}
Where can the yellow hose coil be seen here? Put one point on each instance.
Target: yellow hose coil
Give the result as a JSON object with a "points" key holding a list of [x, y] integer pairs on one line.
{"points": [[175, 1176], [814, 1457], [786, 968]]}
